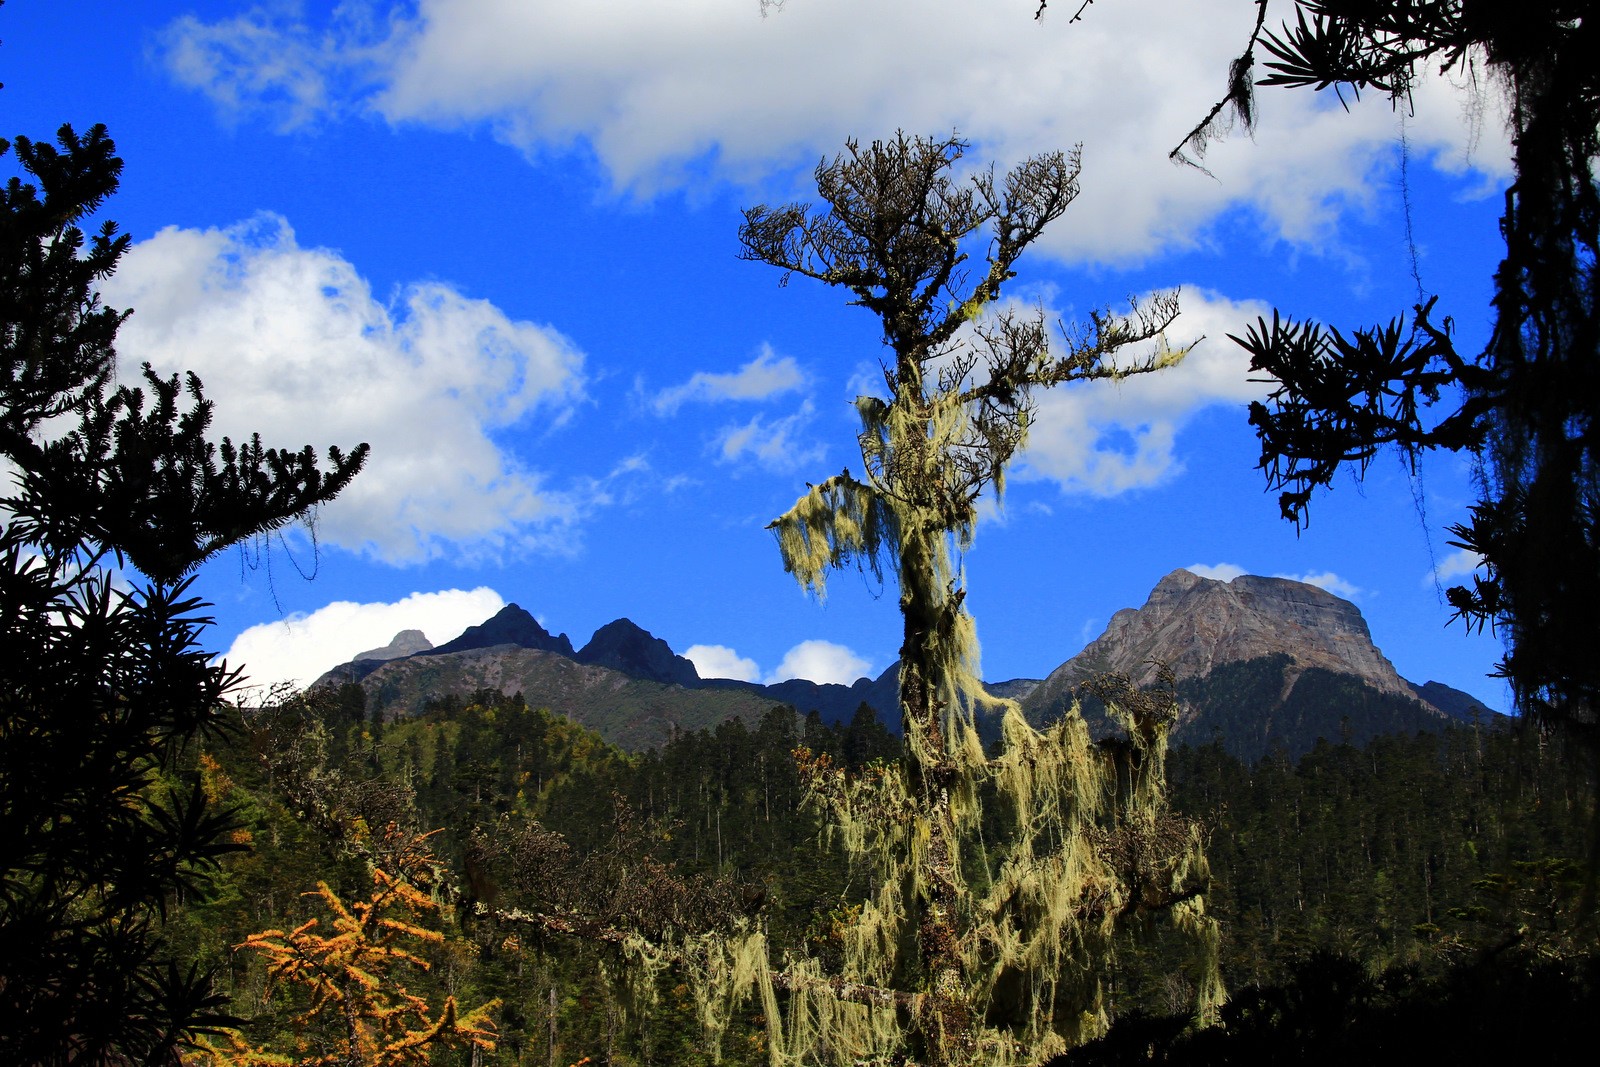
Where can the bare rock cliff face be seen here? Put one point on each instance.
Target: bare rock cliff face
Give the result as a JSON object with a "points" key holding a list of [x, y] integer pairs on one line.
{"points": [[1193, 624]]}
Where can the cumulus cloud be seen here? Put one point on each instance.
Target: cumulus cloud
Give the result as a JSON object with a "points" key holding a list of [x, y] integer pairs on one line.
{"points": [[1105, 438], [290, 342], [820, 661], [720, 661], [665, 94], [767, 375], [1457, 564], [299, 649], [1218, 572], [1328, 581], [775, 444]]}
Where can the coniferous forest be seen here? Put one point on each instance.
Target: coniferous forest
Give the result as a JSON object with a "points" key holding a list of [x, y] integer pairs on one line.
{"points": [[1412, 884], [190, 877]]}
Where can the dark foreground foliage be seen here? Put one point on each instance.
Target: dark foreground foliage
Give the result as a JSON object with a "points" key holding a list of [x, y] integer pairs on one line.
{"points": [[111, 497], [1331, 1010], [1523, 408]]}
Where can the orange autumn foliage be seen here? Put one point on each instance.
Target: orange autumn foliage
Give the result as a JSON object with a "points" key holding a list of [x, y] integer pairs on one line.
{"points": [[351, 979]]}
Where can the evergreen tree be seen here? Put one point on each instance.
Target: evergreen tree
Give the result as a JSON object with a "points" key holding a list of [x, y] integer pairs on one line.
{"points": [[103, 682], [1524, 407]]}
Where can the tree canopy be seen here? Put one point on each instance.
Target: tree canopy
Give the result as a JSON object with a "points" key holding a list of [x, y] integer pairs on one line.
{"points": [[967, 951], [103, 682], [1524, 407]]}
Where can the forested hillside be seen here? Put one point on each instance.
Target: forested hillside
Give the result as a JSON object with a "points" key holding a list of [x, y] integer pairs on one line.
{"points": [[1421, 852], [510, 348]]}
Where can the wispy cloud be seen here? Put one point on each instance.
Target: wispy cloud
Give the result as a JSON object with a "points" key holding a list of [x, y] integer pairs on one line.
{"points": [[720, 661], [775, 444], [767, 375], [1217, 572], [1324, 580], [1106, 438], [1457, 564], [1328, 582], [817, 661]]}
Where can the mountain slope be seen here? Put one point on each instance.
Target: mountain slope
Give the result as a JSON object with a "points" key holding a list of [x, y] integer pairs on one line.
{"points": [[511, 625], [626, 684], [634, 713], [1258, 663]]}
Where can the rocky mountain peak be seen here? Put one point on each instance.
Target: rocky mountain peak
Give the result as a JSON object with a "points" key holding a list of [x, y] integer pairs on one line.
{"points": [[511, 625], [1192, 624], [405, 643], [1259, 662], [624, 646]]}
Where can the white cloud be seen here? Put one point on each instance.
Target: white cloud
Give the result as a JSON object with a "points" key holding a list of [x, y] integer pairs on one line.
{"points": [[1457, 564], [1327, 581], [300, 648], [820, 661], [773, 443], [765, 376], [291, 343], [1105, 438], [720, 661], [250, 68], [1217, 572], [665, 95]]}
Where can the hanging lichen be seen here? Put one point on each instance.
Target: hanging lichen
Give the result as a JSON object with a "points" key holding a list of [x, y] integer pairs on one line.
{"points": [[967, 951]]}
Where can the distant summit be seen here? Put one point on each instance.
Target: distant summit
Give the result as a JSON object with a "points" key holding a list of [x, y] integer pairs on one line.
{"points": [[1260, 663], [405, 643], [511, 625], [1192, 624], [625, 647], [626, 683], [1453, 702]]}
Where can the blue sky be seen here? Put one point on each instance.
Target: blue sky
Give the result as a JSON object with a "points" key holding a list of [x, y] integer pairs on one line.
{"points": [[498, 240]]}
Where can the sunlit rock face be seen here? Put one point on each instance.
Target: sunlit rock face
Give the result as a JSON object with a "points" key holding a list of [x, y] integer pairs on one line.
{"points": [[1193, 624], [1260, 663]]}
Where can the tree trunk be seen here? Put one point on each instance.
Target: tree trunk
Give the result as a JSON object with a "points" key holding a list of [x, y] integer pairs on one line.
{"points": [[945, 1022]]}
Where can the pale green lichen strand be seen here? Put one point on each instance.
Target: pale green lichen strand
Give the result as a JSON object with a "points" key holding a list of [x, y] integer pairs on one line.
{"points": [[1022, 925]]}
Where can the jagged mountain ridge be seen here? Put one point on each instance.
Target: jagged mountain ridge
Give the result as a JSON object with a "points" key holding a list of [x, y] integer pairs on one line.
{"points": [[511, 625], [1259, 661], [636, 652], [626, 683]]}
